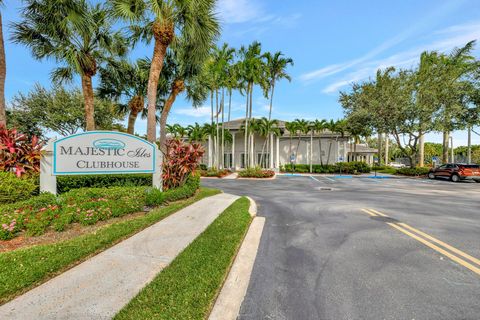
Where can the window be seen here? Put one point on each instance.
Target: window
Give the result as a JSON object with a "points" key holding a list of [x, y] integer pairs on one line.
{"points": [[227, 160], [242, 160]]}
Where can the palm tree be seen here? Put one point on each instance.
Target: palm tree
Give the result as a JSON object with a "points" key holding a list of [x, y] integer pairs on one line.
{"points": [[319, 127], [3, 74], [276, 65], [252, 72], [186, 76], [76, 34], [267, 128], [196, 133], [291, 127], [303, 127], [166, 21], [120, 79]]}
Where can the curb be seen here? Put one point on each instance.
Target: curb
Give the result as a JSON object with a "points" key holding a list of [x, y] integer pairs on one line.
{"points": [[228, 303]]}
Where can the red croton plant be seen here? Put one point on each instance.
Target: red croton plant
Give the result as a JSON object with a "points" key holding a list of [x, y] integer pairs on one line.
{"points": [[179, 162], [19, 153]]}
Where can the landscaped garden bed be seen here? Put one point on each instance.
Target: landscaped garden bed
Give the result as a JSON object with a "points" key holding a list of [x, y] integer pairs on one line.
{"points": [[256, 173], [22, 269], [215, 173]]}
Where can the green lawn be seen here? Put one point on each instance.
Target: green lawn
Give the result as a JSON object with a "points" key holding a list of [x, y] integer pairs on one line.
{"points": [[22, 269], [186, 289]]}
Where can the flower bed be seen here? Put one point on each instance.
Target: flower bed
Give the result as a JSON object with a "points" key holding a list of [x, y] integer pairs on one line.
{"points": [[354, 167], [256, 173], [214, 173], [86, 206]]}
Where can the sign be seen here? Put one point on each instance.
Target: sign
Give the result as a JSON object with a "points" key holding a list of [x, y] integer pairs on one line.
{"points": [[435, 159], [103, 152], [292, 157]]}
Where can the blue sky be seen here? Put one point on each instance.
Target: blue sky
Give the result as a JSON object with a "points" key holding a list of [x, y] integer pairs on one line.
{"points": [[333, 43]]}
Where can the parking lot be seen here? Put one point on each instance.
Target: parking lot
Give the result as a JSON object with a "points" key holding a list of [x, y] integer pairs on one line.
{"points": [[341, 247]]}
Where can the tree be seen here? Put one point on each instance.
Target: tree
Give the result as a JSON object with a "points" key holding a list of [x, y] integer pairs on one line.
{"points": [[59, 110], [266, 128], [165, 22], [319, 126], [302, 127], [196, 133], [252, 72], [3, 74], [185, 77], [76, 34], [291, 127], [276, 66]]}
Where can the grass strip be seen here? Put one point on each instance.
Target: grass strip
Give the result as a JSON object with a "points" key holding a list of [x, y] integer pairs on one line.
{"points": [[186, 289], [23, 269]]}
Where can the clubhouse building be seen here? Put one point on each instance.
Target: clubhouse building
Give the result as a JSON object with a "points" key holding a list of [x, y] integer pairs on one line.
{"points": [[274, 151]]}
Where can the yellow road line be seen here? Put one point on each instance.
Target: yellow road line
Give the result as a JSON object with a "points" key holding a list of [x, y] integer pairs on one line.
{"points": [[402, 227], [438, 249], [449, 247], [370, 213]]}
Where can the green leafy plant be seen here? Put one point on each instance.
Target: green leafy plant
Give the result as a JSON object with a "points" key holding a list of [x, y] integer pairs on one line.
{"points": [[256, 173], [181, 160], [13, 188]]}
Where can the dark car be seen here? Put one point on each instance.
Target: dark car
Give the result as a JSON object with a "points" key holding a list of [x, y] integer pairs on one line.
{"points": [[456, 172]]}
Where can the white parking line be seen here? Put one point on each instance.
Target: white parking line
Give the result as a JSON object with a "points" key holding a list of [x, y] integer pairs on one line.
{"points": [[322, 177]]}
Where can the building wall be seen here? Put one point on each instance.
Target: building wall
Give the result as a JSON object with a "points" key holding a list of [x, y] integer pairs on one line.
{"points": [[301, 149]]}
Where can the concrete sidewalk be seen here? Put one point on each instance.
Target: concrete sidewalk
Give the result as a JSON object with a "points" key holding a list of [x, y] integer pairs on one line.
{"points": [[102, 285]]}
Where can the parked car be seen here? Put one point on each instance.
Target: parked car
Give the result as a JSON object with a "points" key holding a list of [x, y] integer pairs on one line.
{"points": [[396, 165], [456, 172]]}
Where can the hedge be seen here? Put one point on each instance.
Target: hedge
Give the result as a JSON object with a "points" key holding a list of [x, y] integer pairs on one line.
{"points": [[418, 171], [342, 167], [14, 189], [67, 183], [256, 173], [85, 206]]}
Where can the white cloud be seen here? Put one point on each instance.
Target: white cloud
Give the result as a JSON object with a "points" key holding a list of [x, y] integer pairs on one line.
{"points": [[429, 20], [238, 11], [446, 40], [201, 112]]}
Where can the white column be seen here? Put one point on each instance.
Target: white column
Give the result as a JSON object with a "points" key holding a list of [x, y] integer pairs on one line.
{"points": [[311, 152], [157, 181], [234, 167], [48, 182], [345, 151], [210, 163], [271, 151], [277, 163]]}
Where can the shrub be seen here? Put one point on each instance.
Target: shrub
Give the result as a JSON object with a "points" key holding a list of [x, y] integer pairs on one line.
{"points": [[213, 172], [67, 183], [13, 188], [187, 190], [19, 153], [341, 167], [180, 161], [256, 173], [418, 171], [86, 206]]}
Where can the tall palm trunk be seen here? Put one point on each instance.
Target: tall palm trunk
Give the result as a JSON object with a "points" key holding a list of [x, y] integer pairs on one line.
{"points": [[88, 97], [380, 146], [3, 73], [320, 149], [177, 87], [246, 149], [469, 147], [229, 103], [271, 101], [163, 34], [252, 159], [387, 151], [329, 152], [446, 137], [211, 122], [223, 128], [217, 137], [136, 106]]}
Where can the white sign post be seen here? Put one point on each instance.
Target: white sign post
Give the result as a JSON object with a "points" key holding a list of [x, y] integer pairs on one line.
{"points": [[98, 152]]}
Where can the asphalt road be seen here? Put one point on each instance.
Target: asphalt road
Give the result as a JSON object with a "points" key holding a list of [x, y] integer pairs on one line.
{"points": [[322, 257]]}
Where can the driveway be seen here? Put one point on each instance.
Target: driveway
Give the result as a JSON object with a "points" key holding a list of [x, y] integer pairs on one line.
{"points": [[362, 248]]}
